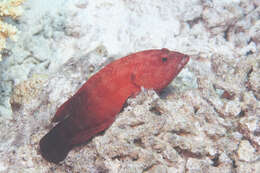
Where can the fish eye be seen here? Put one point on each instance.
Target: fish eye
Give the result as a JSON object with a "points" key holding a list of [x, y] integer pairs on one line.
{"points": [[164, 59]]}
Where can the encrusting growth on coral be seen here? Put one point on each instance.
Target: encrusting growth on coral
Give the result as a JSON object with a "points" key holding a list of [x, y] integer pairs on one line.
{"points": [[9, 8]]}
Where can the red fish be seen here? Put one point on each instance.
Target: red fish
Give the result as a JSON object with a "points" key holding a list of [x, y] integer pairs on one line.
{"points": [[95, 105]]}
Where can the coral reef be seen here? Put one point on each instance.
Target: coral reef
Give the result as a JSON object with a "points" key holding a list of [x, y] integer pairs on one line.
{"points": [[13, 9], [207, 120]]}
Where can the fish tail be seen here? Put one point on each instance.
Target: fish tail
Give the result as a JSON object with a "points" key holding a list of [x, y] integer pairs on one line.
{"points": [[55, 145]]}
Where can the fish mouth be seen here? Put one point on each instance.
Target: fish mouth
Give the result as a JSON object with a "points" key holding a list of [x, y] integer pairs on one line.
{"points": [[182, 62], [185, 60]]}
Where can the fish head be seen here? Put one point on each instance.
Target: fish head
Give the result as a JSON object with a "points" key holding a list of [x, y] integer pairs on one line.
{"points": [[160, 67]]}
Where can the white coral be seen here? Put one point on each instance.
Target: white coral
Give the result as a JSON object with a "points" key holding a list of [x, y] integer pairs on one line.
{"points": [[8, 8]]}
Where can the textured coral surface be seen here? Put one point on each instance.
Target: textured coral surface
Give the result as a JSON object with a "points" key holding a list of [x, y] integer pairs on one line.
{"points": [[12, 9], [207, 120]]}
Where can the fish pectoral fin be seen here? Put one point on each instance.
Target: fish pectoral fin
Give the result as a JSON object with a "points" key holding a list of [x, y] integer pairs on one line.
{"points": [[136, 84], [88, 133], [134, 80]]}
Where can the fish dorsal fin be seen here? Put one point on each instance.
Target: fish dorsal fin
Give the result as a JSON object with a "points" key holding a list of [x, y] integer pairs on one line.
{"points": [[69, 107], [63, 112]]}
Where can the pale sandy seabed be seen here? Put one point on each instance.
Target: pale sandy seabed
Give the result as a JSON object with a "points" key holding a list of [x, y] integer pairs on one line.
{"points": [[207, 120]]}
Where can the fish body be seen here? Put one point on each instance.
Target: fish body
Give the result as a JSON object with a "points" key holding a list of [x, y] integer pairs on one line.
{"points": [[95, 105]]}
